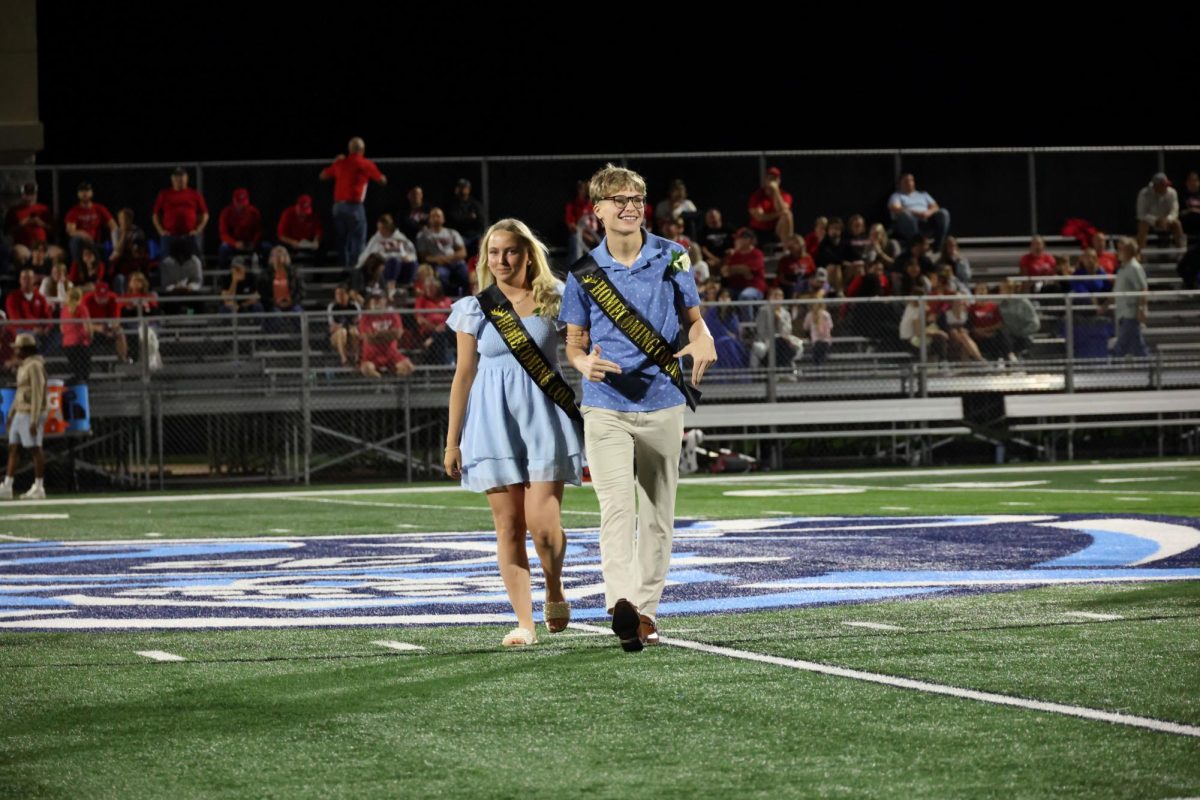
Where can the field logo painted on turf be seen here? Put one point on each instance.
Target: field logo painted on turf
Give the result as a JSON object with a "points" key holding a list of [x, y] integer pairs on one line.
{"points": [[717, 566]]}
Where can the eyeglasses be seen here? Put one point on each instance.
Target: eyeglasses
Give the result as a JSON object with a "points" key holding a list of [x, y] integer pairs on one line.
{"points": [[638, 200]]}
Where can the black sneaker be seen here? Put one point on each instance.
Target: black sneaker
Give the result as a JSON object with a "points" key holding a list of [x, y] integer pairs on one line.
{"points": [[625, 624]]}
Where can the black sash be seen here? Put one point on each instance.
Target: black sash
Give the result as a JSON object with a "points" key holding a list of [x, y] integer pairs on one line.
{"points": [[498, 311], [627, 320]]}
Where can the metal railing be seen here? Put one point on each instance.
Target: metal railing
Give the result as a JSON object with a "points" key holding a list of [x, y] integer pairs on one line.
{"points": [[184, 397]]}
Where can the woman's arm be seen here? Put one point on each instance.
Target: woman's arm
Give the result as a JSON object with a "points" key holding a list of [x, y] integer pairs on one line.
{"points": [[460, 390]]}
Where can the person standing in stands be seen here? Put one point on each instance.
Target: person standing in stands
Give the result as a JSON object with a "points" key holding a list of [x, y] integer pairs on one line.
{"points": [[350, 174]]}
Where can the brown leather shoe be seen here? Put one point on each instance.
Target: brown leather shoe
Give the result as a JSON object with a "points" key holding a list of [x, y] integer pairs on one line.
{"points": [[647, 630], [627, 626]]}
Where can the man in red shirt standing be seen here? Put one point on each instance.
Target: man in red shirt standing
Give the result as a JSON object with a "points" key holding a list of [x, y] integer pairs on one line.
{"points": [[350, 174], [180, 213], [299, 229], [30, 224], [771, 209], [240, 226], [87, 221]]}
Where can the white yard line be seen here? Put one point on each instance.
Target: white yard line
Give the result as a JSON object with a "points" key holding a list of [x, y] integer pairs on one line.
{"points": [[932, 688], [12, 517], [878, 626], [1090, 615], [159, 655], [773, 477], [391, 645]]}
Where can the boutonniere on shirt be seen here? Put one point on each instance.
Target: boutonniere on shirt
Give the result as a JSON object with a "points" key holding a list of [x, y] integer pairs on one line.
{"points": [[680, 261]]}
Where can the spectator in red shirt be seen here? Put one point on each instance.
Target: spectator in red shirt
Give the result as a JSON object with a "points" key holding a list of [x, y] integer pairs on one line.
{"points": [[26, 304], [299, 229], [379, 331], [791, 274], [583, 229], [103, 305], [88, 270], [771, 209], [813, 239], [1107, 259], [743, 271], [180, 213], [1037, 263], [88, 221], [76, 329], [350, 174], [436, 339], [30, 223], [139, 294], [240, 226], [987, 328]]}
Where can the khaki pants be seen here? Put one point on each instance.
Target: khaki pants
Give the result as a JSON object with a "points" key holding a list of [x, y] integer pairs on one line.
{"points": [[631, 452]]}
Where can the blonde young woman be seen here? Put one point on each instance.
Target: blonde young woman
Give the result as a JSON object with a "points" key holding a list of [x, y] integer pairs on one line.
{"points": [[506, 437]]}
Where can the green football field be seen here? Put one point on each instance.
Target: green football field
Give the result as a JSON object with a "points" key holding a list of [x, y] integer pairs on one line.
{"points": [[1070, 690]]}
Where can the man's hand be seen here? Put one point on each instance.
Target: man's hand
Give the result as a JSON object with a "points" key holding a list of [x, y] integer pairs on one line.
{"points": [[704, 354], [593, 367]]}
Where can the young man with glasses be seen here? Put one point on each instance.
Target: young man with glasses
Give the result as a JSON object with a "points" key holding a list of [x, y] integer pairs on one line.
{"points": [[624, 301]]}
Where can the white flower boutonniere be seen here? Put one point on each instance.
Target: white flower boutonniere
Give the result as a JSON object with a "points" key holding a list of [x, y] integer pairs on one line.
{"points": [[681, 261]]}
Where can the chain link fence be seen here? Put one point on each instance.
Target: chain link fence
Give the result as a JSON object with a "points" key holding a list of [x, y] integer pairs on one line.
{"points": [[162, 396]]}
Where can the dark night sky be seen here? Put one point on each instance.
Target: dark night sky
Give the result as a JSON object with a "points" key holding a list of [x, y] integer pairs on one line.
{"points": [[123, 83]]}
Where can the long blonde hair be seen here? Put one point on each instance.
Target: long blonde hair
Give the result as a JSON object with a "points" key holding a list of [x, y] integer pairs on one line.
{"points": [[541, 279], [74, 298]]}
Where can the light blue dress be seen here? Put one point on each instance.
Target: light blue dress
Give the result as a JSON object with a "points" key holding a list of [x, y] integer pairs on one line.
{"points": [[513, 433]]}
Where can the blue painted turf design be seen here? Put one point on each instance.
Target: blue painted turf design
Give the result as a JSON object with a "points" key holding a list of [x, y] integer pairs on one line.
{"points": [[780, 562]]}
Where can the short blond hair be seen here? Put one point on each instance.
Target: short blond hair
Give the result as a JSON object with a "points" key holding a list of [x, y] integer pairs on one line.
{"points": [[611, 179]]}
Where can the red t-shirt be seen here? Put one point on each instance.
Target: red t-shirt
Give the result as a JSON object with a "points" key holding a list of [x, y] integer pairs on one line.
{"points": [[351, 174], [76, 329], [985, 315], [89, 219], [575, 209], [763, 202], [1107, 261], [752, 259], [33, 308], [99, 310], [433, 320], [372, 324], [790, 268], [293, 226], [1038, 266], [179, 211], [856, 286], [240, 226], [28, 235]]}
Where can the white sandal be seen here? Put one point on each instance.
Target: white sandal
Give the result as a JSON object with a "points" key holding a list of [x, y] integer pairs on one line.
{"points": [[557, 614], [519, 637]]}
